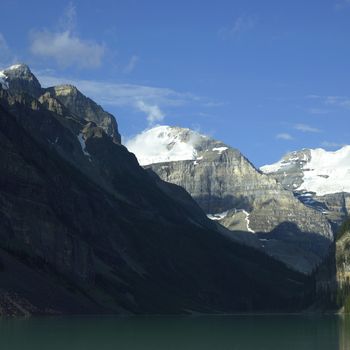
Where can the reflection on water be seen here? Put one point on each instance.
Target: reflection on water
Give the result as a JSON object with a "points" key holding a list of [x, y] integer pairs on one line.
{"points": [[226, 332]]}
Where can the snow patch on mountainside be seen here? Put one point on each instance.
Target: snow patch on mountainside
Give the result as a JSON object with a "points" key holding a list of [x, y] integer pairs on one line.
{"points": [[220, 149], [324, 172], [217, 216], [247, 221], [3, 82], [164, 144], [285, 162], [327, 172], [82, 144], [15, 66], [272, 168]]}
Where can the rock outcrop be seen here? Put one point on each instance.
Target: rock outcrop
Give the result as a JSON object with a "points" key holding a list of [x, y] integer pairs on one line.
{"points": [[85, 108]]}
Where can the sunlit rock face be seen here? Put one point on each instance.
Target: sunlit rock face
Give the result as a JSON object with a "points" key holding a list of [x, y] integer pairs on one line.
{"points": [[234, 193]]}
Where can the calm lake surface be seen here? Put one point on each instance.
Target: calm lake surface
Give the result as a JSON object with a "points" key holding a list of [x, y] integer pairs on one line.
{"points": [[219, 332]]}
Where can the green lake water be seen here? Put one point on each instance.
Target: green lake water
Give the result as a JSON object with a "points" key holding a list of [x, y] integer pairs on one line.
{"points": [[275, 332]]}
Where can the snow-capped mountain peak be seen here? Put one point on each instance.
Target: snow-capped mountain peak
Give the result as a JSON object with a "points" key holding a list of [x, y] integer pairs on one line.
{"points": [[320, 171], [18, 66], [164, 144]]}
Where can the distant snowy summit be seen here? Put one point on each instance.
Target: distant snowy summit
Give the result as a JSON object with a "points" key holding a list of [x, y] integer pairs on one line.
{"points": [[169, 144], [314, 170], [163, 144]]}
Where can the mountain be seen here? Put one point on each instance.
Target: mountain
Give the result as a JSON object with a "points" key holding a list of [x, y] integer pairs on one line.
{"points": [[85, 229], [236, 194], [319, 178]]}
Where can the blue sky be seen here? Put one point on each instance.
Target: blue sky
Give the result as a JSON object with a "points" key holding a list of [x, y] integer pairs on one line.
{"points": [[265, 77]]}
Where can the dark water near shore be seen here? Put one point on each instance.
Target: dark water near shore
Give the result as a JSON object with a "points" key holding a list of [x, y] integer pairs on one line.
{"points": [[282, 332]]}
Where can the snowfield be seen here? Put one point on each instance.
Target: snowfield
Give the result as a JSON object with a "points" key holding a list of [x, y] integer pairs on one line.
{"points": [[164, 144], [327, 172], [82, 144], [217, 216], [324, 172], [220, 149]]}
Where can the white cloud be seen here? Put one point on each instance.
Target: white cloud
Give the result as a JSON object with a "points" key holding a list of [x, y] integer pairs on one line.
{"points": [[6, 56], [313, 97], [115, 94], [284, 136], [340, 4], [66, 47], [68, 20], [317, 111], [147, 99], [131, 64], [154, 114], [4, 49], [306, 128], [332, 100], [329, 144], [241, 24], [338, 101]]}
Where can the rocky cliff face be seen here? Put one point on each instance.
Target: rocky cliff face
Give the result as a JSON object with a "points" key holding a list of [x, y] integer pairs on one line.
{"points": [[339, 281], [233, 192], [86, 109], [83, 228], [320, 179], [343, 255]]}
